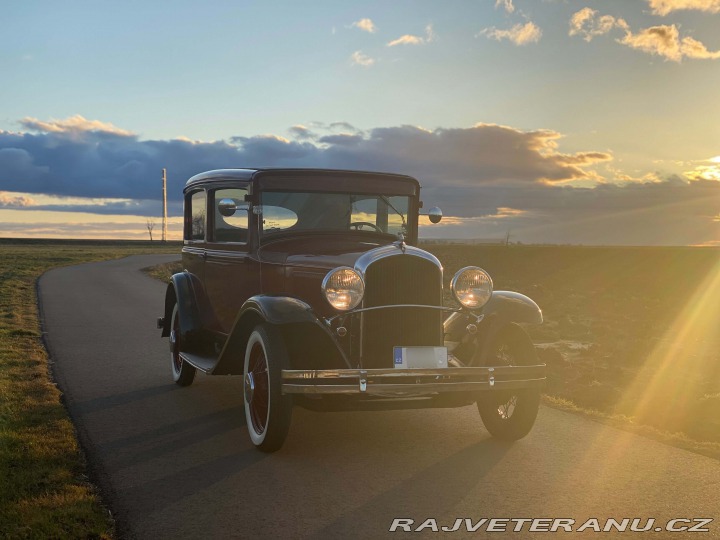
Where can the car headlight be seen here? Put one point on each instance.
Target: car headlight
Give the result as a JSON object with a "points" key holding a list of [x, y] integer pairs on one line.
{"points": [[472, 286], [343, 288]]}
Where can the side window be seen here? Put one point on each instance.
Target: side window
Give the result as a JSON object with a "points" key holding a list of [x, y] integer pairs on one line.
{"points": [[230, 216], [196, 226]]}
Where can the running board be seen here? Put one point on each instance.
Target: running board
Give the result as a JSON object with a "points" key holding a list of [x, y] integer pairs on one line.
{"points": [[206, 364]]}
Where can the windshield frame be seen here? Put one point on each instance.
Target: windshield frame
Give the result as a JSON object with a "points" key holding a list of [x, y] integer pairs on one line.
{"points": [[337, 181], [318, 220]]}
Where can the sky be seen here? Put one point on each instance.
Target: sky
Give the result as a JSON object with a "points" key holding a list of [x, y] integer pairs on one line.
{"points": [[551, 121]]}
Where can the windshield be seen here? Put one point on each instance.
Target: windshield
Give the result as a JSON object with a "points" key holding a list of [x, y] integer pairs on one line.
{"points": [[300, 211]]}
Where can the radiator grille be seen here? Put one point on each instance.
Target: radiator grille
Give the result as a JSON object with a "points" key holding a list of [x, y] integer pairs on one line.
{"points": [[400, 279]]}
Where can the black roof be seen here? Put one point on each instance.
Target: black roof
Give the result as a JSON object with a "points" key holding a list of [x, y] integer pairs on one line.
{"points": [[250, 174]]}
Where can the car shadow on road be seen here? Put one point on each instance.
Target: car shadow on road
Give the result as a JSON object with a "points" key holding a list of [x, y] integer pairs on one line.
{"points": [[156, 495], [137, 449], [106, 402], [434, 491]]}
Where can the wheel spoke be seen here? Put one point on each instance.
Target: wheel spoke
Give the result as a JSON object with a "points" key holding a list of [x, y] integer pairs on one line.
{"points": [[506, 409]]}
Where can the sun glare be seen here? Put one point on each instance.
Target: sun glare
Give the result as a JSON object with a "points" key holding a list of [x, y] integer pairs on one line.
{"points": [[668, 385]]}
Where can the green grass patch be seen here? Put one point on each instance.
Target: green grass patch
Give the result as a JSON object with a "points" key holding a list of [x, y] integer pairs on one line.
{"points": [[44, 490], [163, 272]]}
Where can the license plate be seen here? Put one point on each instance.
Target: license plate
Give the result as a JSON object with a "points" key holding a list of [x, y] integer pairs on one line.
{"points": [[420, 357]]}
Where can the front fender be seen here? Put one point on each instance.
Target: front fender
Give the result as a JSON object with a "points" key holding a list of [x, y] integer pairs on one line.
{"points": [[278, 309], [509, 306], [502, 308], [308, 339]]}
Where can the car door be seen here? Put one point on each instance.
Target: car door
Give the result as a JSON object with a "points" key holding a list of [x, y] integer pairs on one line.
{"points": [[232, 274]]}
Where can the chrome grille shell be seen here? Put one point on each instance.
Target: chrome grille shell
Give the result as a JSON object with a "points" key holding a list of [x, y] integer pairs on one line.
{"points": [[399, 275]]}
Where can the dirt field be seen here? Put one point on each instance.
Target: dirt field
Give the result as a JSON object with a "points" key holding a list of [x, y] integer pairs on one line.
{"points": [[628, 331]]}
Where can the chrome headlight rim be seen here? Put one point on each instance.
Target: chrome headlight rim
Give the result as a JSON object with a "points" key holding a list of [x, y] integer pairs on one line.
{"points": [[456, 278], [327, 291]]}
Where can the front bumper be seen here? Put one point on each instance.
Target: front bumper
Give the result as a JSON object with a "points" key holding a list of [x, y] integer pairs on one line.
{"points": [[411, 382]]}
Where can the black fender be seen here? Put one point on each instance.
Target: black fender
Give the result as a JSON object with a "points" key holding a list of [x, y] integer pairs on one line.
{"points": [[181, 289], [502, 308], [508, 306], [305, 333]]}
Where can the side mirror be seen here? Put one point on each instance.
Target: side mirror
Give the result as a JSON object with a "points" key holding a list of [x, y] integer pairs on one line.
{"points": [[434, 214], [227, 207]]}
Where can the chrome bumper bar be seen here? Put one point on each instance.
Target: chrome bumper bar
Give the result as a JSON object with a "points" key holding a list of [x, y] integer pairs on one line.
{"points": [[406, 382]]}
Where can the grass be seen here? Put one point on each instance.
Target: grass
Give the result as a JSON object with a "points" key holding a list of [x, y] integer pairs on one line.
{"points": [[44, 490], [163, 272], [628, 423]]}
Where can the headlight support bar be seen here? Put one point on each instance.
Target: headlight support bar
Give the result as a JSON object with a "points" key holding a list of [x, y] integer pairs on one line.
{"points": [[329, 320]]}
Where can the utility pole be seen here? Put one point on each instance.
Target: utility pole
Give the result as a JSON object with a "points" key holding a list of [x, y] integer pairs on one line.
{"points": [[164, 229]]}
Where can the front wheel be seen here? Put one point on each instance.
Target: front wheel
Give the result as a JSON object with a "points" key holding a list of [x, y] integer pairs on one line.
{"points": [[267, 411], [509, 414], [182, 372]]}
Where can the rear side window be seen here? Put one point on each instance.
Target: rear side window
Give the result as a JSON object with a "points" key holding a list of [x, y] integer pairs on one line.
{"points": [[195, 228]]}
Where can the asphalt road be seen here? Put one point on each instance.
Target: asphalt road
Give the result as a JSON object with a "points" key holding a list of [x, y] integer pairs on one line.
{"points": [[177, 462]]}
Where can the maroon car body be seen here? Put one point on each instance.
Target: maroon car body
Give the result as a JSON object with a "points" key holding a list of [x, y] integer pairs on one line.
{"points": [[309, 284]]}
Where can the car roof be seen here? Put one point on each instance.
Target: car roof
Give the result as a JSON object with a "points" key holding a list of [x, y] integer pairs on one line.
{"points": [[250, 174]]}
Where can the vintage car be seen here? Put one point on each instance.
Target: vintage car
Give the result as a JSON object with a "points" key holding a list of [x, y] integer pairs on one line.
{"points": [[309, 283]]}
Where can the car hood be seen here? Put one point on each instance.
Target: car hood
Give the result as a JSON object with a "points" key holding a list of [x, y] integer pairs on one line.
{"points": [[297, 265], [322, 252]]}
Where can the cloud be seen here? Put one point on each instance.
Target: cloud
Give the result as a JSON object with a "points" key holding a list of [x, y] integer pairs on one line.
{"points": [[409, 39], [130, 168], [113, 207], [91, 164], [665, 41], [670, 212], [662, 40], [7, 200], [430, 34], [346, 126], [301, 132], [341, 139], [19, 162], [520, 34], [366, 25], [77, 228], [708, 169], [73, 125], [664, 7], [507, 5], [587, 24], [359, 58], [487, 178]]}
